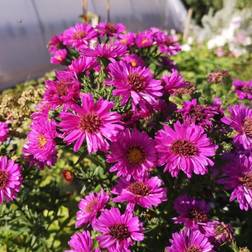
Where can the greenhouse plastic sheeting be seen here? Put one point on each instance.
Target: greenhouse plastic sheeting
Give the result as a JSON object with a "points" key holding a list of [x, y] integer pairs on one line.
{"points": [[141, 14], [27, 25], [25, 28]]}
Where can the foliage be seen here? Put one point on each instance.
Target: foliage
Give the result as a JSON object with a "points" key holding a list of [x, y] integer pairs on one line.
{"points": [[197, 63], [202, 7]]}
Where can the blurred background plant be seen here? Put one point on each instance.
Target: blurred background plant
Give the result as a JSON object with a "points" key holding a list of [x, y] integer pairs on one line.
{"points": [[226, 30], [201, 8]]}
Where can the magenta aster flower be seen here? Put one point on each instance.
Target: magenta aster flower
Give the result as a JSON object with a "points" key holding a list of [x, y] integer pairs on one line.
{"points": [[156, 33], [144, 39], [119, 231], [243, 89], [166, 110], [173, 81], [79, 35], [81, 242], [10, 179], [93, 122], [167, 63], [238, 178], [135, 83], [146, 192], [108, 51], [218, 232], [90, 207], [55, 44], [133, 60], [189, 240], [83, 65], [42, 111], [40, 143], [240, 120], [133, 154], [110, 29], [185, 148], [65, 90], [59, 56], [168, 44], [195, 113], [4, 131], [191, 211], [127, 39]]}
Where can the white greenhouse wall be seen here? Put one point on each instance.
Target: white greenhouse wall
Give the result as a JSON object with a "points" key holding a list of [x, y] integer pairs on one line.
{"points": [[27, 25]]}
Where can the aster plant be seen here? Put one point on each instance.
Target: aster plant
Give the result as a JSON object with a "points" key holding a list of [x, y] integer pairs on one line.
{"points": [[145, 158]]}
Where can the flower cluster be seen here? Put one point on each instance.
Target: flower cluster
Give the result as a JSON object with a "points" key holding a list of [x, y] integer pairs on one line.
{"points": [[4, 130], [243, 89], [10, 179], [200, 233], [113, 101]]}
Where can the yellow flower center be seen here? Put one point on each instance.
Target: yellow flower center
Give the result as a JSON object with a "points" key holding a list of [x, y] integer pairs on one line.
{"points": [[79, 35], [42, 141], [133, 63], [110, 28], [246, 180], [144, 41], [119, 231], [3, 179], [62, 88], [198, 216], [248, 126], [59, 58], [124, 41], [91, 205], [90, 123], [136, 82], [139, 188], [193, 249], [135, 155], [184, 148]]}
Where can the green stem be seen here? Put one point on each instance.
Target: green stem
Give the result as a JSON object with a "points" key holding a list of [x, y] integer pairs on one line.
{"points": [[234, 246]]}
